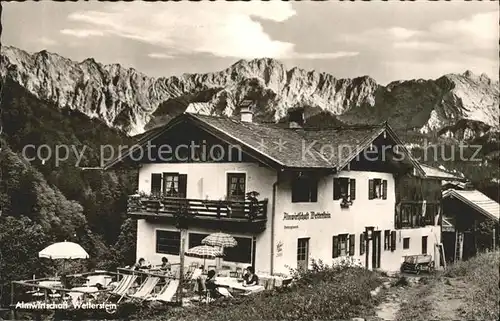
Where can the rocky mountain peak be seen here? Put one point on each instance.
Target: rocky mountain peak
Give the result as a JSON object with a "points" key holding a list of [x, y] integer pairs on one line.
{"points": [[130, 100]]}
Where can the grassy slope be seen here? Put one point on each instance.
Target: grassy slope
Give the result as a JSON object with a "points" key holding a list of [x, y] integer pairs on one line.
{"points": [[324, 294]]}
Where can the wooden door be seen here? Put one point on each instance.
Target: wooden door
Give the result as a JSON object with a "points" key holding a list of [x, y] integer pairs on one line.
{"points": [[303, 253], [376, 249]]}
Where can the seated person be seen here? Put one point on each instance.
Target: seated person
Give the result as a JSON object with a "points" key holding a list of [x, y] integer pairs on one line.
{"points": [[141, 265], [250, 279], [214, 290], [165, 265], [210, 284]]}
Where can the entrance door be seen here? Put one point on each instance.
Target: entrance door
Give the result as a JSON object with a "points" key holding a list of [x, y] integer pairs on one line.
{"points": [[303, 253], [376, 247]]}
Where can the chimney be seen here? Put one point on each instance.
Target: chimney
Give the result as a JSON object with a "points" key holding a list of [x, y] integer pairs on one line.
{"points": [[296, 118], [246, 110]]}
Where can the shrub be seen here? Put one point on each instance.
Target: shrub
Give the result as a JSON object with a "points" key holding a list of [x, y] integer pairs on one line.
{"points": [[325, 292]]}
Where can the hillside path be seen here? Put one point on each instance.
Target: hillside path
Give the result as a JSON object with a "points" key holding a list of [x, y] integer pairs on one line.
{"points": [[423, 299]]}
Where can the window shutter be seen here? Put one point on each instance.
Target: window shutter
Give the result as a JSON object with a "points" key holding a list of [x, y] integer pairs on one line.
{"points": [[352, 187], [155, 184], [335, 247], [351, 244], [370, 189], [183, 185], [393, 241], [362, 243], [313, 185], [384, 189], [336, 189]]}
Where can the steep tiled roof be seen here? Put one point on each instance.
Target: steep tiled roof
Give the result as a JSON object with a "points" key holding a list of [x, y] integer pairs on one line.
{"points": [[476, 200], [300, 148], [439, 173], [296, 147]]}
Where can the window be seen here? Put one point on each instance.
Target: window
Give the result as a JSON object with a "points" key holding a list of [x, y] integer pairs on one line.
{"points": [[393, 241], [155, 184], [194, 239], [387, 240], [362, 244], [344, 188], [171, 184], [168, 242], [174, 184], [304, 189], [241, 253], [236, 186], [409, 214], [343, 245], [377, 189], [406, 243], [424, 244], [430, 213]]}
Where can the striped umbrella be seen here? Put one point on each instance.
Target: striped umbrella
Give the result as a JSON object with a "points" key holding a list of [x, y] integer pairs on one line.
{"points": [[204, 252], [220, 239]]}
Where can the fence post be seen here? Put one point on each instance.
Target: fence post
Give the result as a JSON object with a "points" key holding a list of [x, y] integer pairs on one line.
{"points": [[494, 239], [180, 292], [12, 308]]}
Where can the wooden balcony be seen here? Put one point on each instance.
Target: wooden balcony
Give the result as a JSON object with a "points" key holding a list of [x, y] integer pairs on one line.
{"points": [[410, 214], [205, 213]]}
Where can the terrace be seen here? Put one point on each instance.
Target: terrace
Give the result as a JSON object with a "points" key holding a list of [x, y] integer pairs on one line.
{"points": [[244, 214]]}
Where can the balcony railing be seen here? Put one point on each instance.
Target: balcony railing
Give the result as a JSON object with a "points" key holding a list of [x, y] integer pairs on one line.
{"points": [[171, 206], [409, 214]]}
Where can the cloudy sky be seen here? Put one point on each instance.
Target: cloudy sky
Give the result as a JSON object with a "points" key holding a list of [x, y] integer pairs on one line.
{"points": [[386, 40]]}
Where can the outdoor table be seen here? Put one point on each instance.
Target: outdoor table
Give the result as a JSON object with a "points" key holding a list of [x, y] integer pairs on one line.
{"points": [[234, 284], [52, 284]]}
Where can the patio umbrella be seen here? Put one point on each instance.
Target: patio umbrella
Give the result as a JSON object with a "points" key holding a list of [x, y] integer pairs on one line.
{"points": [[65, 251], [221, 240], [204, 252]]}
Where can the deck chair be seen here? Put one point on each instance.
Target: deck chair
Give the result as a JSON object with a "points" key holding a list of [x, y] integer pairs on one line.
{"points": [[146, 288], [167, 293], [121, 289], [189, 272]]}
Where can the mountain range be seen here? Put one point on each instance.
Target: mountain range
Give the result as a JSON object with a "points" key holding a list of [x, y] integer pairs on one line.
{"points": [[463, 105]]}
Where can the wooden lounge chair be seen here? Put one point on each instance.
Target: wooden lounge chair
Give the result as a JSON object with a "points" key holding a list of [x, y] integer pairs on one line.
{"points": [[146, 288], [122, 288], [167, 293]]}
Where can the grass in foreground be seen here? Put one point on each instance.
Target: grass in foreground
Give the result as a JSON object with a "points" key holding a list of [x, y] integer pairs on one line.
{"points": [[324, 293], [467, 290], [482, 280]]}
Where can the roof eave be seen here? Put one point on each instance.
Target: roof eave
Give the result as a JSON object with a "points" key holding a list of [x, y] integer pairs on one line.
{"points": [[453, 193]]}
